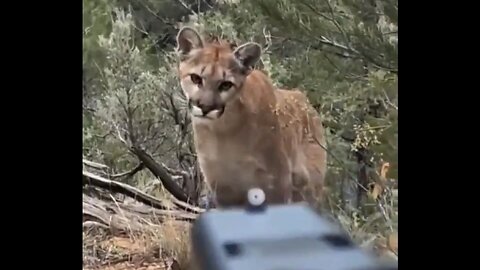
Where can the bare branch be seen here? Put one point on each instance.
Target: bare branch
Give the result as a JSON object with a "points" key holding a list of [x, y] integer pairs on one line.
{"points": [[130, 173], [88, 109], [91, 223], [132, 192], [160, 172], [268, 39], [352, 176], [108, 133], [388, 101], [186, 6], [145, 5], [98, 181], [337, 25], [328, 42], [95, 165], [120, 137], [175, 172], [126, 217]]}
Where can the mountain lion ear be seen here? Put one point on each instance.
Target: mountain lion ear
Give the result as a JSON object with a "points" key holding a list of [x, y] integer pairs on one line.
{"points": [[248, 54], [187, 40]]}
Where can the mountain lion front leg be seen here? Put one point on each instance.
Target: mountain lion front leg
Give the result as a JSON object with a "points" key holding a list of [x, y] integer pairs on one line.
{"points": [[300, 184]]}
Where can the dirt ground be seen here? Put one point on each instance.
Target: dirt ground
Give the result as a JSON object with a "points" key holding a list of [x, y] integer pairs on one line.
{"points": [[117, 253], [159, 264]]}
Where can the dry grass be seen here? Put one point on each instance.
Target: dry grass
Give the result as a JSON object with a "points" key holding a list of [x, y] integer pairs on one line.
{"points": [[372, 232], [164, 243], [167, 246], [375, 225], [164, 246]]}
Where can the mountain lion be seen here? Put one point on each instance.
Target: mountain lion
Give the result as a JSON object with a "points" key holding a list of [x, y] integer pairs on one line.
{"points": [[247, 132]]}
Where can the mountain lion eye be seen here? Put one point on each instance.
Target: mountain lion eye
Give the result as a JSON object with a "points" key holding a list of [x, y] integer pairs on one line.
{"points": [[196, 79], [224, 86]]}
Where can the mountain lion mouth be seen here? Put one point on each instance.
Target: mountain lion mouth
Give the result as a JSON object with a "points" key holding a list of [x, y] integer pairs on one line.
{"points": [[213, 114]]}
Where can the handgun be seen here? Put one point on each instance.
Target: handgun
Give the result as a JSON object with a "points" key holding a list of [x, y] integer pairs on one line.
{"points": [[276, 237]]}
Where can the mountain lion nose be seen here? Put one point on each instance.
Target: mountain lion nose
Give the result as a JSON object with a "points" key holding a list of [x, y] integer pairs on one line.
{"points": [[205, 108]]}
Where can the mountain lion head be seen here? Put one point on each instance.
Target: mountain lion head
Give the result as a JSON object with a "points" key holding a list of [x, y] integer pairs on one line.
{"points": [[212, 74]]}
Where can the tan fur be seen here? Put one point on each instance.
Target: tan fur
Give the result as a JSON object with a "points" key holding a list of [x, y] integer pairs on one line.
{"points": [[252, 134], [305, 140]]}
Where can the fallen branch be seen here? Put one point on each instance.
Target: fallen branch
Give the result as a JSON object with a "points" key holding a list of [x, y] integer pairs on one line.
{"points": [[132, 192], [90, 224], [95, 165], [175, 172], [130, 173], [161, 173], [123, 218], [126, 216]]}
